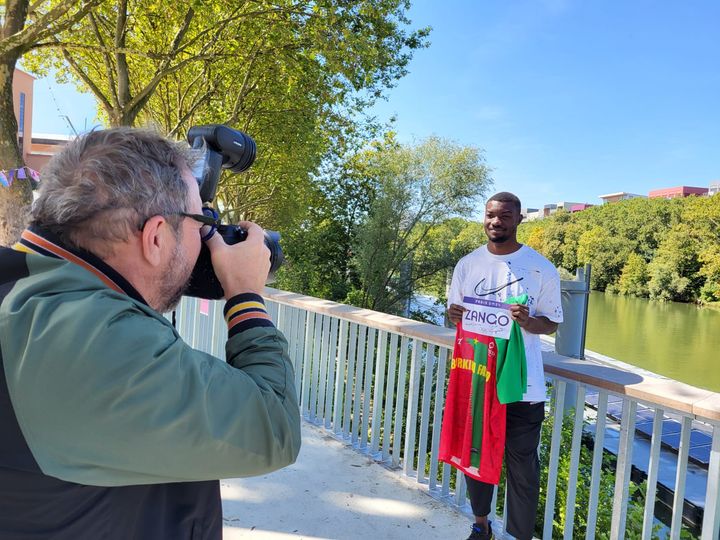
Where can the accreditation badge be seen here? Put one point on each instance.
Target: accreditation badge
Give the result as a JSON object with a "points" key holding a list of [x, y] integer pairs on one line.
{"points": [[487, 317]]}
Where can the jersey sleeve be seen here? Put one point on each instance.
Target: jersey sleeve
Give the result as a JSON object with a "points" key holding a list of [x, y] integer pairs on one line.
{"points": [[549, 302], [455, 294]]}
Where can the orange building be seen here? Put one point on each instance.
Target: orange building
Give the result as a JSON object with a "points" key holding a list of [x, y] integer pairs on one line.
{"points": [[23, 105], [36, 149], [675, 192]]}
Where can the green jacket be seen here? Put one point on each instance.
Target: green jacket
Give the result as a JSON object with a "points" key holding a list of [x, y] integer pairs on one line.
{"points": [[106, 393]]}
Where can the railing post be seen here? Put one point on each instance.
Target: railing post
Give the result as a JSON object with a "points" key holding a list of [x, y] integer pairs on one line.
{"points": [[330, 363], [397, 445], [412, 410], [653, 468], [599, 447], [425, 412], [437, 416], [310, 321], [369, 354], [711, 519], [559, 406], [352, 364], [389, 397], [622, 474], [358, 399], [681, 473], [574, 462]]}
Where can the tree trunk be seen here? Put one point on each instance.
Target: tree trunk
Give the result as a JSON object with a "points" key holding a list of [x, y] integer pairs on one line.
{"points": [[15, 200]]}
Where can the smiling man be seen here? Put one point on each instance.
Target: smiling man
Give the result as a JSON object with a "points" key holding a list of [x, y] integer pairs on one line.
{"points": [[111, 425], [503, 295]]}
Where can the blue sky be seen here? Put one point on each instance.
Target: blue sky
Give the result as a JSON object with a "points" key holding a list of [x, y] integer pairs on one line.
{"points": [[569, 99]]}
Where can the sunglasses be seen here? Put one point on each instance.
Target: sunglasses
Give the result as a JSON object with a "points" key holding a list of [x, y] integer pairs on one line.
{"points": [[210, 221]]}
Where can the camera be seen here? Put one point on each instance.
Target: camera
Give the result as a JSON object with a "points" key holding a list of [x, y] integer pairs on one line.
{"points": [[225, 148]]}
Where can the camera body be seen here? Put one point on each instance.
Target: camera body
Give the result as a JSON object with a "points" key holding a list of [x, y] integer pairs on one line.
{"points": [[225, 148]]}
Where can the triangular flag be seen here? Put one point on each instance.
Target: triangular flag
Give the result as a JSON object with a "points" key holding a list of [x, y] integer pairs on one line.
{"points": [[4, 180], [21, 173], [34, 174]]}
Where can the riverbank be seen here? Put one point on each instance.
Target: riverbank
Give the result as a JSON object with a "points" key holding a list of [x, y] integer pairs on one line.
{"points": [[678, 341]]}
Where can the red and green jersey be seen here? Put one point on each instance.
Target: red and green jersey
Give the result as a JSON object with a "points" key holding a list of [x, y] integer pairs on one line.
{"points": [[486, 373]]}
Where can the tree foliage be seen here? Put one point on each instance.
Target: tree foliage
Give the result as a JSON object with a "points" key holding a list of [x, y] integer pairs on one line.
{"points": [[656, 248], [415, 189], [297, 75], [389, 221], [634, 277]]}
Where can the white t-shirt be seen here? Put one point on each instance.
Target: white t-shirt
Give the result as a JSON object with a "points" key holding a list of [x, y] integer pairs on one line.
{"points": [[482, 275]]}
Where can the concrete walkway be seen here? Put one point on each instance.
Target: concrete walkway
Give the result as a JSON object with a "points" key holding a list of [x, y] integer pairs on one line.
{"points": [[334, 492]]}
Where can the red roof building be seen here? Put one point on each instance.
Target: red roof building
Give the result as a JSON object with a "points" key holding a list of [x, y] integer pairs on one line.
{"points": [[675, 192]]}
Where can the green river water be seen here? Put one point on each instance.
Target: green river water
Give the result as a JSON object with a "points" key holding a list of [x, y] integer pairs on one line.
{"points": [[680, 341]]}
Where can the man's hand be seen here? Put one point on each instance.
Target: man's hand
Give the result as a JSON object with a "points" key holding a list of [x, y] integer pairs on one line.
{"points": [[520, 314], [242, 267], [455, 313], [535, 325]]}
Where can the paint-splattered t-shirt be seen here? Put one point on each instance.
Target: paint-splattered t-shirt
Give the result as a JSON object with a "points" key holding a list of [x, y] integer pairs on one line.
{"points": [[482, 275]]}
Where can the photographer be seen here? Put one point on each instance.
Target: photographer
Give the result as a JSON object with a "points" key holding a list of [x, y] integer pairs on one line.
{"points": [[111, 425]]}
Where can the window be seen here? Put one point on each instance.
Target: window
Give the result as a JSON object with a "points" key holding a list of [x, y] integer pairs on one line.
{"points": [[21, 122]]}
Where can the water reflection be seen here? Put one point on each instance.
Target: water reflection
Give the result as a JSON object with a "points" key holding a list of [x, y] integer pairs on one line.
{"points": [[680, 341]]}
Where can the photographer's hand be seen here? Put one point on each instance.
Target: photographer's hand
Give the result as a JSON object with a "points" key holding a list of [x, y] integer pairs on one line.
{"points": [[241, 267]]}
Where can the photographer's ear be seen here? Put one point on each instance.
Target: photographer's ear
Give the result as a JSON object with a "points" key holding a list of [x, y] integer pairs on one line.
{"points": [[154, 239]]}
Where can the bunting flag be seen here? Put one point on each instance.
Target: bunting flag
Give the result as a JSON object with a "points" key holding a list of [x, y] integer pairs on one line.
{"points": [[7, 177]]}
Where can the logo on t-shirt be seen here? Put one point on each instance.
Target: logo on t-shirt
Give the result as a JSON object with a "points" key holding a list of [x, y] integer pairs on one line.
{"points": [[480, 290]]}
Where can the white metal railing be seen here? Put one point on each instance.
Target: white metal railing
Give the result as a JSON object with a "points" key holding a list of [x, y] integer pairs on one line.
{"points": [[378, 383]]}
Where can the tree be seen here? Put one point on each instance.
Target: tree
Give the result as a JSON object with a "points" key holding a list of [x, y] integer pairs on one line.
{"points": [[416, 188], [554, 237], [124, 49], [319, 249], [634, 277], [704, 214], [24, 28], [534, 237], [674, 271], [605, 252], [295, 74]]}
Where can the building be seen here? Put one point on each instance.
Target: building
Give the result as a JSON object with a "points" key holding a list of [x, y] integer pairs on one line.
{"points": [[565, 205], [676, 192], [43, 147], [619, 196], [531, 214], [714, 188], [548, 210], [23, 105], [36, 149]]}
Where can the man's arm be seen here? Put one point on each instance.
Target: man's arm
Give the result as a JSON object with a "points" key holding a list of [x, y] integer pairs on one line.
{"points": [[137, 405]]}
